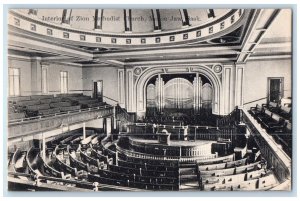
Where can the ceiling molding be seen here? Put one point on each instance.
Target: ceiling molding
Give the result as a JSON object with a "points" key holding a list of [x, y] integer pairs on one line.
{"points": [[261, 23]]}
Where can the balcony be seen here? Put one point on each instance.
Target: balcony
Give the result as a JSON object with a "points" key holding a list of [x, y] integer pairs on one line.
{"points": [[23, 127]]}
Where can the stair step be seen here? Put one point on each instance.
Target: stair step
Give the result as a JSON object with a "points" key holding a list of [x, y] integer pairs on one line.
{"points": [[187, 171], [189, 186], [187, 165], [189, 177]]}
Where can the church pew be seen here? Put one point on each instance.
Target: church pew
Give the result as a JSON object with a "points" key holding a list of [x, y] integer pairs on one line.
{"points": [[50, 170], [142, 172], [90, 160], [254, 111], [60, 162], [38, 107], [230, 171], [56, 99], [169, 163], [14, 116], [146, 166], [263, 183], [27, 103], [48, 111], [98, 155], [74, 162], [119, 182], [18, 162], [85, 142], [69, 139], [57, 139], [137, 178], [210, 182], [79, 98], [70, 108], [18, 99], [271, 121], [60, 104], [76, 140], [35, 163], [70, 95], [218, 166], [286, 112], [272, 106], [46, 101], [222, 159], [96, 104]]}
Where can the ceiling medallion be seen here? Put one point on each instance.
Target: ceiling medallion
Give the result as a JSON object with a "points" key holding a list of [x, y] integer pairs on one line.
{"points": [[137, 70], [217, 68]]}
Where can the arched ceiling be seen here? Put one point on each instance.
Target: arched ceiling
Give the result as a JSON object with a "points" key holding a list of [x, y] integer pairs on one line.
{"points": [[142, 19], [225, 35]]}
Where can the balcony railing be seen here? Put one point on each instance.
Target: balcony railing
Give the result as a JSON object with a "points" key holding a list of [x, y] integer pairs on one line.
{"points": [[272, 151], [32, 125]]}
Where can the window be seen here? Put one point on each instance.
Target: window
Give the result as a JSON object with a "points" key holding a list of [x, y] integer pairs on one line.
{"points": [[63, 82], [44, 80], [14, 81]]}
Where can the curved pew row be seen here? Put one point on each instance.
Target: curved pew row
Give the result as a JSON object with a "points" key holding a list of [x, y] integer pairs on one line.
{"points": [[263, 183], [140, 179], [231, 171], [166, 163], [146, 166], [96, 152], [39, 167], [48, 163], [225, 165], [75, 161], [18, 163], [132, 181], [62, 162], [211, 182], [223, 159], [113, 178], [46, 174]]}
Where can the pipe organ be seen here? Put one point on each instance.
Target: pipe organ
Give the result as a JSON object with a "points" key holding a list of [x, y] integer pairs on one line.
{"points": [[179, 93]]}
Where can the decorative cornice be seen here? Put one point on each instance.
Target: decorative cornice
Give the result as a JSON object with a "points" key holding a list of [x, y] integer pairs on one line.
{"points": [[230, 22]]}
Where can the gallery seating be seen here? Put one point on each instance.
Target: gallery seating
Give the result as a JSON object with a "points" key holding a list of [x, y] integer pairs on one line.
{"points": [[47, 105], [276, 120]]}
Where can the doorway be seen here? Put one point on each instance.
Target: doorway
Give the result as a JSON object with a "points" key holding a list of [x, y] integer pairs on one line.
{"points": [[275, 89], [98, 90]]}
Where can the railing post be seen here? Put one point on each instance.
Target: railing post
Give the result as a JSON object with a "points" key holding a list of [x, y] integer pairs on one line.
{"points": [[44, 146], [115, 118], [83, 128]]}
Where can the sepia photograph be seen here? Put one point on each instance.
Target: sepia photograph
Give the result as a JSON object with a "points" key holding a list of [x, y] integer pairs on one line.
{"points": [[145, 100]]}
